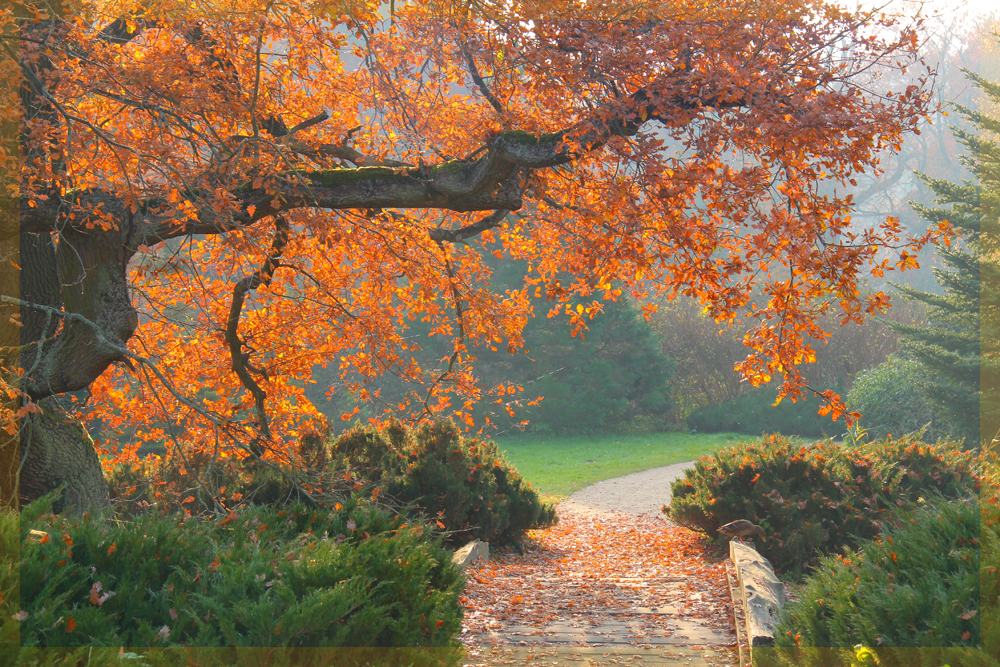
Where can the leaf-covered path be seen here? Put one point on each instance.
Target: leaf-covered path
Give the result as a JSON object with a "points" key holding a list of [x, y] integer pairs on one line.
{"points": [[602, 588]]}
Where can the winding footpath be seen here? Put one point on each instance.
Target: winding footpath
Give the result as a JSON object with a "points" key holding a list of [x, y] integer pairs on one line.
{"points": [[614, 582]]}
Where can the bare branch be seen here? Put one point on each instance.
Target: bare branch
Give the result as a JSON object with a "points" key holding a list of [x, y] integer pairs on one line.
{"points": [[240, 360], [491, 221], [480, 83]]}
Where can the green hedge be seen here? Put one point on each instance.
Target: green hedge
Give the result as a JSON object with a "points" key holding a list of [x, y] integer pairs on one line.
{"points": [[282, 578], [466, 485], [754, 413], [817, 499], [10, 596], [990, 554]]}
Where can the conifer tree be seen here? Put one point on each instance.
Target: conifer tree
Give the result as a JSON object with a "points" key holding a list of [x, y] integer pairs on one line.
{"points": [[959, 345]]}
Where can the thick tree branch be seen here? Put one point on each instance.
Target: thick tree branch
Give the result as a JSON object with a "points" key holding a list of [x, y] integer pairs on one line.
{"points": [[309, 122], [122, 30], [459, 341], [492, 182]]}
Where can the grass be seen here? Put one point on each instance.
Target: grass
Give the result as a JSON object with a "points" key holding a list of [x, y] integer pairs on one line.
{"points": [[559, 465]]}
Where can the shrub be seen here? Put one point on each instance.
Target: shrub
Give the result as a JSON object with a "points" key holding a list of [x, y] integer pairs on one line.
{"points": [[990, 556], [465, 485], [817, 499], [891, 401], [754, 413], [292, 577], [917, 585], [10, 556]]}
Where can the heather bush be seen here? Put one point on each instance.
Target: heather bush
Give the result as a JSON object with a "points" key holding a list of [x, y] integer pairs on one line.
{"points": [[816, 499], [354, 575], [464, 485]]}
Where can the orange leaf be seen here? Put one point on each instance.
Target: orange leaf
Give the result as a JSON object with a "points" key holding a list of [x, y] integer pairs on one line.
{"points": [[70, 624]]}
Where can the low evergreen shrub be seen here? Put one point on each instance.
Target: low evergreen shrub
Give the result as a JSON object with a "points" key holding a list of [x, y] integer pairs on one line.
{"points": [[926, 593], [754, 413], [915, 585], [10, 556], [989, 566], [464, 485], [817, 499], [356, 575]]}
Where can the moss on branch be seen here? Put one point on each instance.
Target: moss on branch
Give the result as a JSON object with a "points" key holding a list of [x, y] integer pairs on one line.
{"points": [[530, 138]]}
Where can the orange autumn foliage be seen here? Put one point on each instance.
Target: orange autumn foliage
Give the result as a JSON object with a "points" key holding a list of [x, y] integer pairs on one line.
{"points": [[292, 184]]}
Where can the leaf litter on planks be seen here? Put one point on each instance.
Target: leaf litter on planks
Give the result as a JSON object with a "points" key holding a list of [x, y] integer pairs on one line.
{"points": [[601, 588]]}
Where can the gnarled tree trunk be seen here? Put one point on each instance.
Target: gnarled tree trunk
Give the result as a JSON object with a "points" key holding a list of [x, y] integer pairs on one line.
{"points": [[58, 451], [83, 273]]}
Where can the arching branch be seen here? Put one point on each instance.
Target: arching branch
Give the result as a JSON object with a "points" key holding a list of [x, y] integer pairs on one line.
{"points": [[240, 360]]}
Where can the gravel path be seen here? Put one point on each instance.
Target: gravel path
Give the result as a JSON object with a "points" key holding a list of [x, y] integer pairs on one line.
{"points": [[643, 492]]}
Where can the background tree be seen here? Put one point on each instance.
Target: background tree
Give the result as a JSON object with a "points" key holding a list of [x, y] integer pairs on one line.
{"points": [[889, 399], [959, 347], [707, 352], [611, 376], [214, 201]]}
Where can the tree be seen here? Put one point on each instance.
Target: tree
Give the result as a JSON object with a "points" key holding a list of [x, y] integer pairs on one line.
{"points": [[706, 352], [605, 378], [215, 199], [890, 402], [612, 376], [959, 349]]}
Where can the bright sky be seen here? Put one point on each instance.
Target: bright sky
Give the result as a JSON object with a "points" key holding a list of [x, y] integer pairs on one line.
{"points": [[966, 8]]}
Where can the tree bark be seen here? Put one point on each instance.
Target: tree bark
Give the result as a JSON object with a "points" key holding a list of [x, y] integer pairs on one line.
{"points": [[10, 360], [82, 273], [58, 451]]}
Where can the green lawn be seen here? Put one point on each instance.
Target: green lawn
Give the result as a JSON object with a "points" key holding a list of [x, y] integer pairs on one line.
{"points": [[559, 465]]}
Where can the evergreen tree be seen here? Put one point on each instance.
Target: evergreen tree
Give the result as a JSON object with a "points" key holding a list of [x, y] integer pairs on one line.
{"points": [[959, 345], [612, 377]]}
